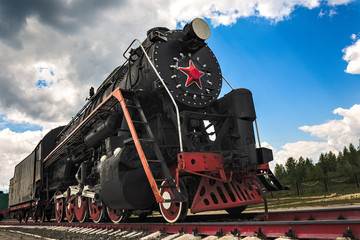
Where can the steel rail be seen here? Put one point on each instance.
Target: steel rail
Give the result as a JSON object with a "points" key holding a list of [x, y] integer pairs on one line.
{"points": [[323, 224], [310, 229]]}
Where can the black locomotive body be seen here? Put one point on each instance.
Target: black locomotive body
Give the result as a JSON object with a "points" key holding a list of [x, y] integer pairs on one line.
{"points": [[153, 136]]}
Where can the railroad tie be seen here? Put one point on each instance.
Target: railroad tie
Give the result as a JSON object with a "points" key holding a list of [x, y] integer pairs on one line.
{"points": [[210, 238], [131, 234], [188, 237], [253, 238], [116, 232], [121, 233], [170, 237], [151, 236], [228, 237]]}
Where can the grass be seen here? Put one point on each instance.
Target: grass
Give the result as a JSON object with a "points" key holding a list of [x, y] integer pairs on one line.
{"points": [[309, 200]]}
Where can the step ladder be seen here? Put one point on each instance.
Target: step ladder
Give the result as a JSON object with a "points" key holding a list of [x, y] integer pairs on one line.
{"points": [[156, 184], [98, 114]]}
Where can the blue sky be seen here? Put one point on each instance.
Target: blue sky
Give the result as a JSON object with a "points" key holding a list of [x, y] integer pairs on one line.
{"points": [[293, 67], [300, 58]]}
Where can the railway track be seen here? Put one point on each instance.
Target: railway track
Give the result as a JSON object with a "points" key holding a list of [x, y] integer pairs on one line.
{"points": [[330, 223]]}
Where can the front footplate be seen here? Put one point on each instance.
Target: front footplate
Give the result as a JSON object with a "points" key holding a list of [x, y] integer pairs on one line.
{"points": [[216, 195]]}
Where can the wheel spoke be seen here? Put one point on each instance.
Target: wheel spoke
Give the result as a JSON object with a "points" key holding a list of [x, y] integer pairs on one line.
{"points": [[59, 210], [81, 209], [70, 215], [173, 211], [117, 216], [96, 212]]}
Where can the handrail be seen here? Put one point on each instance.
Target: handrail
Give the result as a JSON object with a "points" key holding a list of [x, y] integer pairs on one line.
{"points": [[227, 82], [166, 88]]}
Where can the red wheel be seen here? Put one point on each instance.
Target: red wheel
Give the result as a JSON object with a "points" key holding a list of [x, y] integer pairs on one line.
{"points": [[96, 212], [117, 216], [70, 215], [172, 211], [80, 209], [59, 210]]}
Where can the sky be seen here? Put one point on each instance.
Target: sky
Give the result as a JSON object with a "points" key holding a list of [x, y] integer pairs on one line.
{"points": [[300, 59]]}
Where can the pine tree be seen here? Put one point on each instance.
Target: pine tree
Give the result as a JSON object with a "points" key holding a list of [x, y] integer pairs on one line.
{"points": [[291, 169], [331, 162], [280, 172], [353, 157], [323, 163], [310, 173], [300, 169]]}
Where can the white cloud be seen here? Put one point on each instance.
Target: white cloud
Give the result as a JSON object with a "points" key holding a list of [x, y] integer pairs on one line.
{"points": [[332, 12], [353, 36], [227, 12], [321, 13], [336, 133], [339, 132], [304, 149], [338, 2], [15, 147], [352, 56]]}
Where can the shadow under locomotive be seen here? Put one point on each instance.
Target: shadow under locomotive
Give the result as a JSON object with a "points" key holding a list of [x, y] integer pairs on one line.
{"points": [[154, 136]]}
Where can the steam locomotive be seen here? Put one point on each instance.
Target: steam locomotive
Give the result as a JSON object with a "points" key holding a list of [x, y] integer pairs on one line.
{"points": [[153, 137]]}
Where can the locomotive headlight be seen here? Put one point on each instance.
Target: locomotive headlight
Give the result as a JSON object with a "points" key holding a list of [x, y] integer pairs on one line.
{"points": [[198, 28]]}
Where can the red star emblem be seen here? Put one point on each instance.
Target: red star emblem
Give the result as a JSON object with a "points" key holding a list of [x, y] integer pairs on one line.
{"points": [[193, 75]]}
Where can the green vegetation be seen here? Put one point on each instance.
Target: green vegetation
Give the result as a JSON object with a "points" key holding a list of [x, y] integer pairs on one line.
{"points": [[308, 201], [330, 174], [334, 179]]}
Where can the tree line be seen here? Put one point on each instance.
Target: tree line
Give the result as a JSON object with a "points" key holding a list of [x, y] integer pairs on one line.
{"points": [[330, 165]]}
